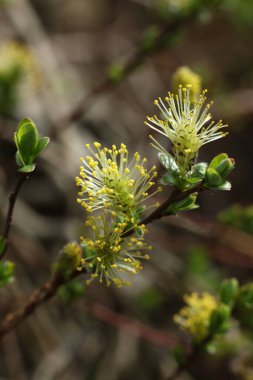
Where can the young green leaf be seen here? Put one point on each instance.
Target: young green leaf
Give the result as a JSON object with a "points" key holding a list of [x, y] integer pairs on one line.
{"points": [[168, 162], [26, 140], [217, 160], [188, 203], [199, 170], [19, 160], [212, 178], [27, 168], [43, 142]]}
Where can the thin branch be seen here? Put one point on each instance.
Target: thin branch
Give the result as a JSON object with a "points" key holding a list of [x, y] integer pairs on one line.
{"points": [[191, 358], [130, 326], [12, 201], [40, 295], [175, 196]]}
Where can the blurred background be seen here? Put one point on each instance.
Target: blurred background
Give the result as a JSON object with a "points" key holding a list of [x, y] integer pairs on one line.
{"points": [[90, 70]]}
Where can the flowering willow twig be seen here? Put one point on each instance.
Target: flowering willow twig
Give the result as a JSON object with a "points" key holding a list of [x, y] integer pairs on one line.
{"points": [[8, 222], [49, 289]]}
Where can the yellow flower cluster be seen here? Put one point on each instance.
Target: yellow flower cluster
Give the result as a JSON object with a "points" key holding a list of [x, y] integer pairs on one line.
{"points": [[195, 316], [16, 59], [110, 180], [187, 124], [108, 253]]}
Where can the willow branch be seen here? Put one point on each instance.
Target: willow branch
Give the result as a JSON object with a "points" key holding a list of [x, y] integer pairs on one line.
{"points": [[12, 201], [39, 296], [191, 358]]}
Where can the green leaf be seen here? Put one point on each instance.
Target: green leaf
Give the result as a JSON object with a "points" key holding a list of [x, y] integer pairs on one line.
{"points": [[19, 160], [212, 178], [27, 168], [26, 140], [139, 231], [246, 296], [6, 272], [229, 290], [217, 160], [226, 186], [43, 142], [225, 167], [185, 204], [168, 162], [170, 179], [199, 170], [193, 182], [218, 318]]}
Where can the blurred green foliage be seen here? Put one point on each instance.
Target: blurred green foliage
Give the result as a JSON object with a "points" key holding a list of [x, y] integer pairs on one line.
{"points": [[72, 290], [200, 270], [151, 299], [6, 272], [9, 84], [241, 11], [238, 216]]}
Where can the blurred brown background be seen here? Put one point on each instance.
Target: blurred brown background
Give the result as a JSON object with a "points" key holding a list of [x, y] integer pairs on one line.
{"points": [[80, 47]]}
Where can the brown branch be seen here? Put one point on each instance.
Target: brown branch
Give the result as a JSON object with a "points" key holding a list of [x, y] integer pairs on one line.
{"points": [[191, 358], [175, 196], [40, 295], [12, 201], [133, 327]]}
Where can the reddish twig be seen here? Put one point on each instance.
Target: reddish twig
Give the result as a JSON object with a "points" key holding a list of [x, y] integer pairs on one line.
{"points": [[40, 295], [12, 201], [136, 328]]}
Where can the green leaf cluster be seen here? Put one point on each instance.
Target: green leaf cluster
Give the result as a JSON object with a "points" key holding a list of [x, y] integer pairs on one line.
{"points": [[217, 172], [239, 216], [173, 177], [185, 204], [212, 176], [28, 144], [234, 300]]}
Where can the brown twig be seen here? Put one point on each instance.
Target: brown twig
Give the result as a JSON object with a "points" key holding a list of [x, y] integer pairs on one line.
{"points": [[8, 222], [136, 328], [40, 295], [191, 358], [175, 196]]}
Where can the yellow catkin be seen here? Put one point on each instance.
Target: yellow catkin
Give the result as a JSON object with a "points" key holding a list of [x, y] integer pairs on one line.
{"points": [[195, 316]]}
